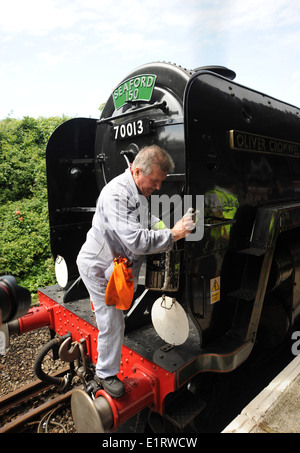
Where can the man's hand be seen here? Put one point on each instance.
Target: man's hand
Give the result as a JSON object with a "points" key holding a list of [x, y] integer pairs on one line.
{"points": [[182, 228]]}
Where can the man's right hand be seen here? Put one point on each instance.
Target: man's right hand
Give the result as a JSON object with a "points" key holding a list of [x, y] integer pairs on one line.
{"points": [[182, 228]]}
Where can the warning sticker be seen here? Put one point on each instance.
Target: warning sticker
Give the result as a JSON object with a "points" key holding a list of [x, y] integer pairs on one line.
{"points": [[215, 289]]}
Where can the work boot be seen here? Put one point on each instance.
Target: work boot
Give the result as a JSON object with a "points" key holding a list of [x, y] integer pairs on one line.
{"points": [[113, 386]]}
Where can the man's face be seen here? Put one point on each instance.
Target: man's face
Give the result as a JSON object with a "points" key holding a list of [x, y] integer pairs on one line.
{"points": [[148, 183]]}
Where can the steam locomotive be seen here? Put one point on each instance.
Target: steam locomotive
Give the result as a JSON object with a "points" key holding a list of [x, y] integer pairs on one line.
{"points": [[239, 280]]}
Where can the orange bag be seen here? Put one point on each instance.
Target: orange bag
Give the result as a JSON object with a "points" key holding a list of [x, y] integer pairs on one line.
{"points": [[120, 287]]}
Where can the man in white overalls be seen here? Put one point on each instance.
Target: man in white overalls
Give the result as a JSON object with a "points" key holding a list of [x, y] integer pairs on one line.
{"points": [[120, 227]]}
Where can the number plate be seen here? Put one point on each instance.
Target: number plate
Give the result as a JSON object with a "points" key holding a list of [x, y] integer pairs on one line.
{"points": [[131, 129]]}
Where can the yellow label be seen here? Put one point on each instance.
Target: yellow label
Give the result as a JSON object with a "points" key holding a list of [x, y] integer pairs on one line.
{"points": [[215, 289]]}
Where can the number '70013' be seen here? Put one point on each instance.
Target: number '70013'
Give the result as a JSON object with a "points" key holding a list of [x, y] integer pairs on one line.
{"points": [[129, 129]]}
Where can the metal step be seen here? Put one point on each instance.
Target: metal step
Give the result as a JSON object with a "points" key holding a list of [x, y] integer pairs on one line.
{"points": [[184, 410]]}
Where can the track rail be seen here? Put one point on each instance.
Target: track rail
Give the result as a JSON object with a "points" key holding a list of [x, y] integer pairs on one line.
{"points": [[33, 414], [13, 400]]}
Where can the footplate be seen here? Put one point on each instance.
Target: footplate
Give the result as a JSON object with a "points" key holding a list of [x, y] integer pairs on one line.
{"points": [[181, 412]]}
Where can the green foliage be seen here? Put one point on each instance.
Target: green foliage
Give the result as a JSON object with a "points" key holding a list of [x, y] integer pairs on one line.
{"points": [[22, 156], [24, 239]]}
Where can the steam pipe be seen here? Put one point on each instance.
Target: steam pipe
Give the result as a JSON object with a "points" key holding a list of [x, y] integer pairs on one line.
{"points": [[55, 342]]}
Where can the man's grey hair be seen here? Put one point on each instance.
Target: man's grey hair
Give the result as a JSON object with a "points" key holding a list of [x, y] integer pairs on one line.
{"points": [[153, 155]]}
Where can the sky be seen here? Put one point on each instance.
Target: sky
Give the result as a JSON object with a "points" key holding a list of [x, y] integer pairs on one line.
{"points": [[65, 57]]}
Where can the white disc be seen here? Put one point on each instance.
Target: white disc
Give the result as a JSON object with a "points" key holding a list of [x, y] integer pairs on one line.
{"points": [[170, 320], [61, 271]]}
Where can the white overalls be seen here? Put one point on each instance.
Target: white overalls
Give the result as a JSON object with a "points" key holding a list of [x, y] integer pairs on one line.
{"points": [[120, 227]]}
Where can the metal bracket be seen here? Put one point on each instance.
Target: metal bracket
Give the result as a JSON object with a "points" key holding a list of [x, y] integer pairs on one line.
{"points": [[70, 354], [163, 302], [157, 105]]}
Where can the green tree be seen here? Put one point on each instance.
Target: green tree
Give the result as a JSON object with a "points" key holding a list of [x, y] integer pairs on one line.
{"points": [[24, 239]]}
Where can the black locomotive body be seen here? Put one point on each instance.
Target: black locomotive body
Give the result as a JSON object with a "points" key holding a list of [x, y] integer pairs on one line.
{"points": [[238, 149]]}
